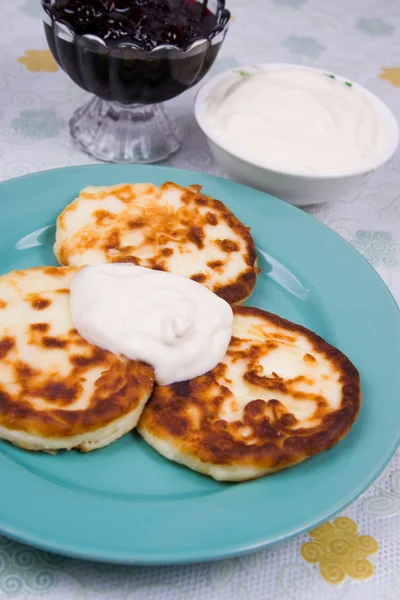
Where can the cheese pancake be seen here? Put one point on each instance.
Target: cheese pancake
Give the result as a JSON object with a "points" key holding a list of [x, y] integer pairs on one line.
{"points": [[281, 395], [168, 228], [56, 390]]}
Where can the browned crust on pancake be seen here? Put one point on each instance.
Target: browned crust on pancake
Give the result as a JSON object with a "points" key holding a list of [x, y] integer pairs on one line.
{"points": [[164, 225], [121, 385], [186, 414]]}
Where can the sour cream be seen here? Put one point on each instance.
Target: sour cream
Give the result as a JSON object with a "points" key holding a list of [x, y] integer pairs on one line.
{"points": [[176, 325], [298, 119]]}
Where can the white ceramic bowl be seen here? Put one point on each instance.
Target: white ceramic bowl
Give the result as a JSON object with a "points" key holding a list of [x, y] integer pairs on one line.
{"points": [[297, 187]]}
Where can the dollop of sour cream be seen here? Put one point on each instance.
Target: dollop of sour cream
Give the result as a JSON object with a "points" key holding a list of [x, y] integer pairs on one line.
{"points": [[295, 119], [176, 325]]}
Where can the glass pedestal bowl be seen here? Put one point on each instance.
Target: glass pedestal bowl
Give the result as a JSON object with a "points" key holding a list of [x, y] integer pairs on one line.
{"points": [[126, 121]]}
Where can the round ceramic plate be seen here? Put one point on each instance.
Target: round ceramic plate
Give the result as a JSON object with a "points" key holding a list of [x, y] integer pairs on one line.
{"points": [[127, 504]]}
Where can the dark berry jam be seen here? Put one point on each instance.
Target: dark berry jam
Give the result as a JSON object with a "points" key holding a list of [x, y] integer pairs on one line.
{"points": [[147, 72], [147, 23]]}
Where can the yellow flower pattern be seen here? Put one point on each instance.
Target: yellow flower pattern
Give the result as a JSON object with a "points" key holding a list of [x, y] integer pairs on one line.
{"points": [[340, 551], [38, 60], [391, 74]]}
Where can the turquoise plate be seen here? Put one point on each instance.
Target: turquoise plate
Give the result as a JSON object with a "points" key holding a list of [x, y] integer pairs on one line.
{"points": [[127, 504]]}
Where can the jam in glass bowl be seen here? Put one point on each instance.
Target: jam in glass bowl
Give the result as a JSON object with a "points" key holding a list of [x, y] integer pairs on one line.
{"points": [[133, 55]]}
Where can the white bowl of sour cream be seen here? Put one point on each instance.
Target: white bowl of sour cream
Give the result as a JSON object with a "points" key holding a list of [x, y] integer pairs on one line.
{"points": [[303, 134]]}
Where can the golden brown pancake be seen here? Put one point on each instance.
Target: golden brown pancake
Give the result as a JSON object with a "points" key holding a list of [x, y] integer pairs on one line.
{"points": [[168, 228], [281, 395], [56, 390]]}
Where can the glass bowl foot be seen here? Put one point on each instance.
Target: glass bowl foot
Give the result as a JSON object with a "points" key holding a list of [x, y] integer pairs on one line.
{"points": [[112, 132]]}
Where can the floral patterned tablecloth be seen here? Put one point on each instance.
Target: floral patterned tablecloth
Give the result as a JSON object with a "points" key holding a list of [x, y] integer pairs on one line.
{"points": [[356, 555]]}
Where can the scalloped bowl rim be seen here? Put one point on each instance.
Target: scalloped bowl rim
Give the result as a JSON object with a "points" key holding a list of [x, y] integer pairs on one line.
{"points": [[198, 42], [200, 112]]}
